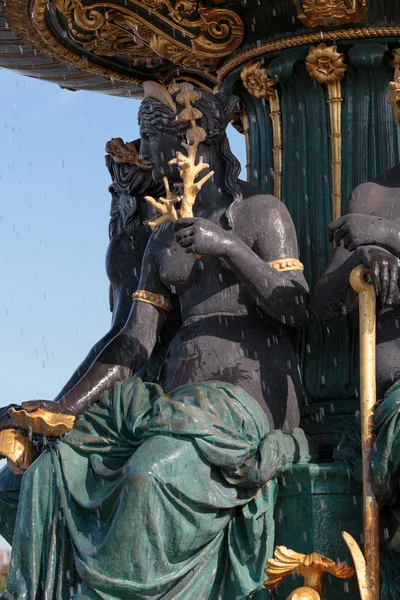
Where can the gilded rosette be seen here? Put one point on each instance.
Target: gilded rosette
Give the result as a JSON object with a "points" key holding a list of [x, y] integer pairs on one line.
{"points": [[325, 64], [43, 422]]}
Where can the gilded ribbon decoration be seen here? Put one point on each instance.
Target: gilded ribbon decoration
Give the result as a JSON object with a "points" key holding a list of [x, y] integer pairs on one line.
{"points": [[184, 32], [326, 65], [311, 567], [315, 13], [258, 83]]}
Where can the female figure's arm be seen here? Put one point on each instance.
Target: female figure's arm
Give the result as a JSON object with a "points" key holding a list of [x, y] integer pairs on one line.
{"points": [[120, 314], [282, 294], [124, 354]]}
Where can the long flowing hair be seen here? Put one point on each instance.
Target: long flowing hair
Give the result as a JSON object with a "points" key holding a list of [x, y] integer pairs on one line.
{"points": [[136, 183], [217, 110]]}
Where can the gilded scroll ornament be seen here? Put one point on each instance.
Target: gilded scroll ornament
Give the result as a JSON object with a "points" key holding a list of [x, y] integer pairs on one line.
{"points": [[191, 34], [394, 95], [326, 65], [311, 566], [258, 83], [315, 13]]}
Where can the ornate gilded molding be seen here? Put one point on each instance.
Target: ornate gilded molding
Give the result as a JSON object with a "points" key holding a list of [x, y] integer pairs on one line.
{"points": [[258, 83], [301, 40], [326, 65], [311, 567], [44, 41], [184, 32], [315, 13]]}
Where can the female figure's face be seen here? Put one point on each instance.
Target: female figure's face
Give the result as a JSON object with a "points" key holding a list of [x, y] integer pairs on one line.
{"points": [[157, 148]]}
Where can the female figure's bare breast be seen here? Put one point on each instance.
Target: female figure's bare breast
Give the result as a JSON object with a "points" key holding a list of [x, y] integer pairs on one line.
{"points": [[224, 336]]}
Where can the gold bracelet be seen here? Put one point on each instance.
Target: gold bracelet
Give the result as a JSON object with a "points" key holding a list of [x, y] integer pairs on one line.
{"points": [[286, 264], [155, 299]]}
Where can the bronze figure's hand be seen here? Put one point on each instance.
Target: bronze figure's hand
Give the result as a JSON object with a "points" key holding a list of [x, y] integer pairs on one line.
{"points": [[385, 272], [6, 422], [48, 405], [353, 230], [201, 236]]}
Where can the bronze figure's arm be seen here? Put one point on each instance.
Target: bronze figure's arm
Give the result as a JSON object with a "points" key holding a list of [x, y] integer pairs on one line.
{"points": [[125, 354], [270, 269]]}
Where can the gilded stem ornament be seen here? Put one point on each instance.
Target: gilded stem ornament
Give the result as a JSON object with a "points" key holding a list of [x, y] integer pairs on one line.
{"points": [[314, 13], [258, 83], [311, 567], [367, 568], [326, 65]]}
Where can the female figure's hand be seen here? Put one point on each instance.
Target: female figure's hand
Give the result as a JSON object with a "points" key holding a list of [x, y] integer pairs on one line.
{"points": [[385, 270], [201, 236]]}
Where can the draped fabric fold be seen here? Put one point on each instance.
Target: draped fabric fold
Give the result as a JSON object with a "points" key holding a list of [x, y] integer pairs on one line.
{"points": [[152, 495]]}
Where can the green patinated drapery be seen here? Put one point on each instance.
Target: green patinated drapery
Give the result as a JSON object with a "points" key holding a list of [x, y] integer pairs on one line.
{"points": [[152, 496]]}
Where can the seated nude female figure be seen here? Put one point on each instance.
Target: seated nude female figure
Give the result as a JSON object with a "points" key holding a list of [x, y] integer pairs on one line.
{"points": [[167, 491]]}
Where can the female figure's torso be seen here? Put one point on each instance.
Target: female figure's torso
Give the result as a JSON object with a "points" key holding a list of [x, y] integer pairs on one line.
{"points": [[224, 336]]}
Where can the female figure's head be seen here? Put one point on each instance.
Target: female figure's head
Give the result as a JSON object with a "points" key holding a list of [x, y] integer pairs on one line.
{"points": [[162, 135], [130, 184]]}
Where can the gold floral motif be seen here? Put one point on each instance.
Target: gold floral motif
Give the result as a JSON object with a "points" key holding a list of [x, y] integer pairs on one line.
{"points": [[311, 566], [394, 95], [151, 298], [43, 422], [258, 83], [326, 65], [314, 13]]}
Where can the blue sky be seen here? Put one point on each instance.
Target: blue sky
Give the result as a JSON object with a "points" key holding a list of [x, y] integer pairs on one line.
{"points": [[54, 210]]}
